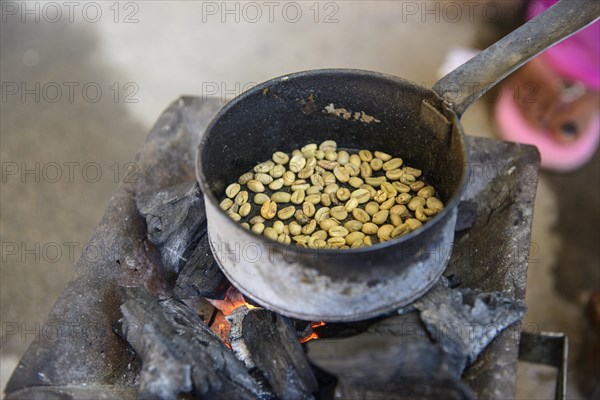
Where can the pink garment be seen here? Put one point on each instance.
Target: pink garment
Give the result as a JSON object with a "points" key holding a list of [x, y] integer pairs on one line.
{"points": [[578, 57]]}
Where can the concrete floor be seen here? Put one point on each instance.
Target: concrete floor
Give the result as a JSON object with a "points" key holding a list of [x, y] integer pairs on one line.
{"points": [[183, 48]]}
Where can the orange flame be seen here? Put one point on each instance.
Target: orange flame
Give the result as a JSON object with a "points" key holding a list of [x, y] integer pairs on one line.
{"points": [[313, 335], [233, 299]]}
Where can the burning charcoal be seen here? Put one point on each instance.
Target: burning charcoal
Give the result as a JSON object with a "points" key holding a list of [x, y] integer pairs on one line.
{"points": [[466, 320], [395, 358], [201, 276], [176, 221], [267, 342], [179, 352]]}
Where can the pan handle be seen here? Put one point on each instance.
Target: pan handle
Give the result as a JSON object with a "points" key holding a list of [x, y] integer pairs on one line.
{"points": [[467, 83]]}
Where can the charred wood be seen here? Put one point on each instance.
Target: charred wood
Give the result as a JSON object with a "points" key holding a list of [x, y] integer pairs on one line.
{"points": [[174, 217], [267, 342], [179, 352], [201, 275]]}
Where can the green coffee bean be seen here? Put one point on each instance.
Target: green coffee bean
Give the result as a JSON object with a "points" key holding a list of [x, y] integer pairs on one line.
{"points": [[309, 228], [400, 230], [260, 198], [351, 204], [407, 179], [420, 214], [245, 209], [301, 218], [396, 219], [403, 198], [401, 187], [380, 196], [338, 231], [268, 210], [361, 195], [343, 157], [384, 233], [232, 190], [257, 220], [353, 225], [355, 160], [380, 217], [308, 207], [375, 182], [280, 157], [336, 241], [365, 155], [313, 199], [313, 190], [306, 173], [276, 184], [288, 178], [339, 212], [371, 208], [389, 203], [245, 178], [226, 204], [415, 202], [413, 171], [355, 182], [365, 170], [341, 173], [360, 215], [281, 197], [330, 155], [343, 194], [392, 164], [241, 198], [258, 228], [286, 213], [328, 145], [376, 164], [353, 237], [413, 223], [369, 228], [382, 156], [263, 178], [297, 163], [417, 185], [270, 233], [322, 213], [328, 223], [256, 186], [394, 175], [434, 203], [352, 169], [309, 150], [298, 197], [301, 186]]}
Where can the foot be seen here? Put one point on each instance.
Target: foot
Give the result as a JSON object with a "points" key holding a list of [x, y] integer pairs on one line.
{"points": [[546, 105]]}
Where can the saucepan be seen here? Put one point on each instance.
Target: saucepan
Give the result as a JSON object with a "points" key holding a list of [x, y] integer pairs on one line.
{"points": [[420, 125]]}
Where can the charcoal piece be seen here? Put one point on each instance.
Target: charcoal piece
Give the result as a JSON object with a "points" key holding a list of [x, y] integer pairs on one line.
{"points": [[267, 342], [394, 358], [465, 321], [201, 275], [179, 352], [176, 221]]}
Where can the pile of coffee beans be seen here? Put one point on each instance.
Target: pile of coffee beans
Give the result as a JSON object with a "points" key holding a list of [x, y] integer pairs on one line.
{"points": [[322, 198]]}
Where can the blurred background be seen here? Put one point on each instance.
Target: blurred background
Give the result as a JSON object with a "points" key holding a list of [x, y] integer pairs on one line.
{"points": [[83, 82]]}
